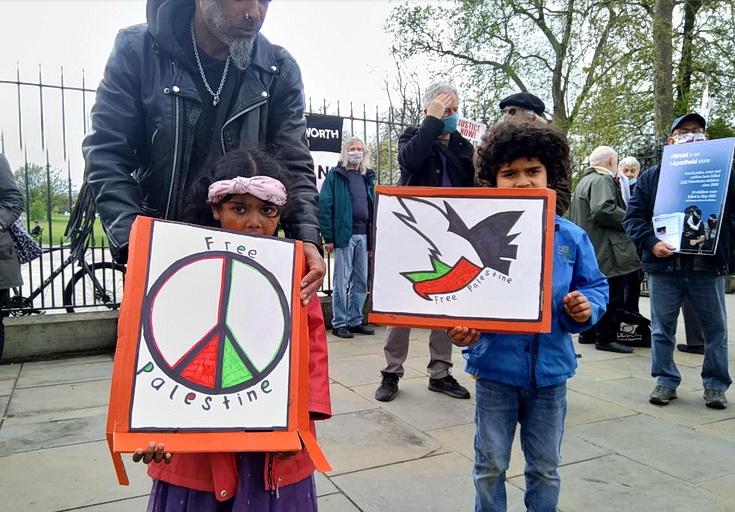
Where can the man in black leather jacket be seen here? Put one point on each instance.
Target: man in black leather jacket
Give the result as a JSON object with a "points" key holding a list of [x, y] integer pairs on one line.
{"points": [[198, 80], [433, 154]]}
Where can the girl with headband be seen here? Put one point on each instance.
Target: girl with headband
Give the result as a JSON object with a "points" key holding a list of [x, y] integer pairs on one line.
{"points": [[246, 190]]}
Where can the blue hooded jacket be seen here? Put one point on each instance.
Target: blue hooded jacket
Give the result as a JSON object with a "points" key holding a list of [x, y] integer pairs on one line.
{"points": [[540, 360]]}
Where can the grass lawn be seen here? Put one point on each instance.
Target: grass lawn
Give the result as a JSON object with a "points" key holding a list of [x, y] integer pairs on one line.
{"points": [[57, 228]]}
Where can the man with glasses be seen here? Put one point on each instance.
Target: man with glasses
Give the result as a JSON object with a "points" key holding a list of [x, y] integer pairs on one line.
{"points": [[673, 276], [524, 107]]}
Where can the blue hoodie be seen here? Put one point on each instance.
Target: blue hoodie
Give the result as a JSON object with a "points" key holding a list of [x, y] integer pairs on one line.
{"points": [[540, 360]]}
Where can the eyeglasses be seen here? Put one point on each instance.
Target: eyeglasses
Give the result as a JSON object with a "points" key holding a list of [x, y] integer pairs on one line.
{"points": [[514, 110], [684, 131]]}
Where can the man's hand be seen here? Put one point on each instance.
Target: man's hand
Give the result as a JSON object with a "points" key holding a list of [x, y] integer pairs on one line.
{"points": [[662, 250], [577, 306], [329, 248], [155, 453], [464, 336], [439, 105], [316, 267]]}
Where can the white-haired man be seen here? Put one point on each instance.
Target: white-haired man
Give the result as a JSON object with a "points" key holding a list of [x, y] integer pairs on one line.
{"points": [[346, 213], [195, 82], [433, 154], [598, 208]]}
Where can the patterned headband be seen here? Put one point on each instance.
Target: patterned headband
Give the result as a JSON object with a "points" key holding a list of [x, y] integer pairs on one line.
{"points": [[263, 187]]}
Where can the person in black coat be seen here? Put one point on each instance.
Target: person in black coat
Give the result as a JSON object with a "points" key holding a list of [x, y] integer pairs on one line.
{"points": [[11, 206], [433, 154]]}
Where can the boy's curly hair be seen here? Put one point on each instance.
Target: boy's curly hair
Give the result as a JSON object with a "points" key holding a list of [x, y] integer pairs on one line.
{"points": [[506, 142]]}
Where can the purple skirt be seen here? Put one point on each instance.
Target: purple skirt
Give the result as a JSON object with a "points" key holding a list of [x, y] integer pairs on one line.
{"points": [[250, 497]]}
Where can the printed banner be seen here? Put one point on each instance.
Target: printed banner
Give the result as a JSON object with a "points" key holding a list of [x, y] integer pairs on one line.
{"points": [[691, 194], [474, 257], [471, 130], [325, 143], [212, 344]]}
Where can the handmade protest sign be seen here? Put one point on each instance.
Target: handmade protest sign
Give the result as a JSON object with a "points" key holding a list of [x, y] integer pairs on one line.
{"points": [[475, 257], [471, 130], [212, 350], [691, 194]]}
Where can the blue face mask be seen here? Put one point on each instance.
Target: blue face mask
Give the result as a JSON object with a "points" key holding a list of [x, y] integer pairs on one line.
{"points": [[632, 181], [450, 123]]}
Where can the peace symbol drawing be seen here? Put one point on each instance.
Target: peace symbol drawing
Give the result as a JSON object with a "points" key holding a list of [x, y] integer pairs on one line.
{"points": [[213, 344], [227, 349]]}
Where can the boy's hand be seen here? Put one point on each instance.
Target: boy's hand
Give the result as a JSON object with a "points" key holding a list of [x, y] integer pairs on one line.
{"points": [[154, 453], [577, 306], [463, 336]]}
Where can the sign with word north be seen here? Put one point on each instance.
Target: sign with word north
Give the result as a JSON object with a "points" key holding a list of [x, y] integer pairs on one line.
{"points": [[212, 343], [473, 257], [325, 143]]}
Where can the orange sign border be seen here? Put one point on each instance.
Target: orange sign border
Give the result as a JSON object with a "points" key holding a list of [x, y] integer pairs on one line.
{"points": [[444, 322], [119, 437]]}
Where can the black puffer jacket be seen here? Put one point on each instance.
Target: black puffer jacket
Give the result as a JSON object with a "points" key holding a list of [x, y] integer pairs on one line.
{"points": [[420, 160], [138, 149]]}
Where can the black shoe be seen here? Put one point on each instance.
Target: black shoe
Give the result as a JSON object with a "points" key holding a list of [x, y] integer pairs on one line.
{"points": [[449, 386], [388, 387], [342, 332], [613, 346], [361, 329], [692, 349]]}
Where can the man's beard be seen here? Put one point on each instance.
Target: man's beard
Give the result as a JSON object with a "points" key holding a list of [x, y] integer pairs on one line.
{"points": [[241, 50]]}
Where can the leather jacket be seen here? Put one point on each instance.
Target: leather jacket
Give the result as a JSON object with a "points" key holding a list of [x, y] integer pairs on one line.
{"points": [[420, 160], [138, 149]]}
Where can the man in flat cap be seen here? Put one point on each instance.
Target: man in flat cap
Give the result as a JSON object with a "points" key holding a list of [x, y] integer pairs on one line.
{"points": [[674, 276], [524, 107]]}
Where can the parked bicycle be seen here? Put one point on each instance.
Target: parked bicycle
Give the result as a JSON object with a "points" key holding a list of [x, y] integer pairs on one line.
{"points": [[97, 285]]}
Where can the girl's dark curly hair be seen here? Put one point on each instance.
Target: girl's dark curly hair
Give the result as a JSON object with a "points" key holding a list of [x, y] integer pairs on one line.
{"points": [[241, 162], [506, 142]]}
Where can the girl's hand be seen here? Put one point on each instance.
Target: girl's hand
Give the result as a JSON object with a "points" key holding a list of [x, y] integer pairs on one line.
{"points": [[463, 336], [577, 306], [154, 453], [284, 455]]}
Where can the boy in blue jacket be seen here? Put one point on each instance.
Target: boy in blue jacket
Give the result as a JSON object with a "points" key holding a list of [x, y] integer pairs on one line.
{"points": [[521, 378]]}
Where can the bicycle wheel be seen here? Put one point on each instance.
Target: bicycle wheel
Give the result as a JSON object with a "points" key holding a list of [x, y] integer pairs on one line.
{"points": [[82, 291]]}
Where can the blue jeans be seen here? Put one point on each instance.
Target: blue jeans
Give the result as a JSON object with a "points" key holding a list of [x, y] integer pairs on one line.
{"points": [[706, 292], [350, 282], [541, 413]]}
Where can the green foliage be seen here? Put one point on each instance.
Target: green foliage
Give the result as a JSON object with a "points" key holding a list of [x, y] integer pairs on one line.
{"points": [[591, 62], [720, 129], [35, 183], [37, 210]]}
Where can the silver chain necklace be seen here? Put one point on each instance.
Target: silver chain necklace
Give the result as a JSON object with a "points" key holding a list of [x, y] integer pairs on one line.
{"points": [[215, 95]]}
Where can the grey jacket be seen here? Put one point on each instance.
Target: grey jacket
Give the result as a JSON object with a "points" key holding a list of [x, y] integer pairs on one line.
{"points": [[138, 148], [598, 208], [11, 206]]}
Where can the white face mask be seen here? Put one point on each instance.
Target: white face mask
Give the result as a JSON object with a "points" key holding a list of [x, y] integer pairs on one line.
{"points": [[354, 157], [689, 137]]}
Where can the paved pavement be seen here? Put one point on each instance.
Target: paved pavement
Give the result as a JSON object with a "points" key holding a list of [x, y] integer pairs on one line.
{"points": [[415, 453]]}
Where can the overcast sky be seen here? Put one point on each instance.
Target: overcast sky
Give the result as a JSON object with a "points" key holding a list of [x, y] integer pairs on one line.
{"points": [[341, 46]]}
